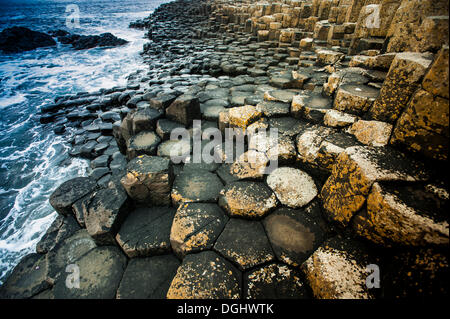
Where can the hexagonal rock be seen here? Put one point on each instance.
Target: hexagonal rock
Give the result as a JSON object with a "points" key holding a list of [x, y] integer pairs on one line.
{"points": [[355, 98], [196, 227], [328, 57], [309, 142], [61, 228], [148, 278], [69, 192], [395, 216], [294, 234], [67, 252], [144, 120], [244, 243], [251, 164], [293, 187], [355, 171], [101, 271], [106, 212], [146, 232], [311, 106], [372, 133], [423, 126], [436, 81], [274, 281], [177, 150], [284, 96], [247, 199], [337, 270], [184, 110], [270, 108], [335, 118], [404, 77], [145, 143], [27, 279], [243, 116], [205, 275], [164, 128], [148, 180], [196, 186]]}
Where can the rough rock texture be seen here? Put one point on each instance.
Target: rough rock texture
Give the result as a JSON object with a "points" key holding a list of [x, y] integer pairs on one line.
{"points": [[18, 39], [223, 280], [196, 227], [146, 232]]}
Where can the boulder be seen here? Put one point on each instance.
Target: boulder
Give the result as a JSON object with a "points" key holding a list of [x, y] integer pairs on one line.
{"points": [[372, 133], [337, 270], [223, 280], [404, 77], [69, 192], [196, 227], [356, 170], [184, 110], [19, 39], [395, 216], [146, 232], [148, 180], [106, 213]]}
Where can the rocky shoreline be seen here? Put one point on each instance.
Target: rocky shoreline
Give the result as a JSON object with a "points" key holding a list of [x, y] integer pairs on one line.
{"points": [[362, 120]]}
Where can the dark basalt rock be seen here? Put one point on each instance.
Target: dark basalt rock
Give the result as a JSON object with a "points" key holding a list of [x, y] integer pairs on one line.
{"points": [[19, 39], [148, 278], [60, 229], [82, 42], [69, 192]]}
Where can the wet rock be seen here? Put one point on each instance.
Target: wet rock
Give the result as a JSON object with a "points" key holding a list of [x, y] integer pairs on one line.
{"points": [[244, 243], [274, 281], [59, 230], [190, 282], [106, 213], [196, 227], [100, 270], [372, 133], [83, 42], [247, 199], [148, 278], [101, 161], [196, 186], [19, 39], [404, 215], [146, 232], [27, 279], [337, 270], [148, 180], [69, 192], [355, 171], [293, 187]]}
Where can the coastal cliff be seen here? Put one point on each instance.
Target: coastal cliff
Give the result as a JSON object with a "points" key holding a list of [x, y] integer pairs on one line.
{"points": [[358, 93]]}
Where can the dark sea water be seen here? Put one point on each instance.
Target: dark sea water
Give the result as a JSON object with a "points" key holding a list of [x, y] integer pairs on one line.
{"points": [[33, 160]]}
